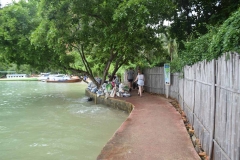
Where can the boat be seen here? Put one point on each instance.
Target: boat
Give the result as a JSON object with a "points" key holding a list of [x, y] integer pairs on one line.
{"points": [[48, 76], [43, 76], [61, 78], [18, 77], [64, 81]]}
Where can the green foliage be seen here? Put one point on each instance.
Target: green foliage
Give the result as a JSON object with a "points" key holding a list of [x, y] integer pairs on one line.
{"points": [[176, 65], [104, 37], [196, 50], [213, 44], [14, 32], [104, 34], [192, 17], [18, 21], [227, 37]]}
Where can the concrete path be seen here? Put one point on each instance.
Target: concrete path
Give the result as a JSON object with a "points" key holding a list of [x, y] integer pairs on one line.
{"points": [[153, 131]]}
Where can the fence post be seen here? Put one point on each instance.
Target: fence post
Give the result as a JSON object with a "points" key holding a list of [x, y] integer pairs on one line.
{"points": [[183, 91], [238, 152], [194, 92], [213, 104], [167, 90]]}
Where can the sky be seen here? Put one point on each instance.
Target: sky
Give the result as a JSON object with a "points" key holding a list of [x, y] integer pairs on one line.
{"points": [[4, 2]]}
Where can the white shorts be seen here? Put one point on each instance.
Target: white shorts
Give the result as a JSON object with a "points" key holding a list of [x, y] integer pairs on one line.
{"points": [[140, 82]]}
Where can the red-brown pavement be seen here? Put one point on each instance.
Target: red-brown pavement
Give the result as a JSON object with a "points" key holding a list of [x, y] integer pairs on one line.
{"points": [[154, 130]]}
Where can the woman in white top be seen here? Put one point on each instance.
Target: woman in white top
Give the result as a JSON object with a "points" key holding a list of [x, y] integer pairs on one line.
{"points": [[140, 81]]}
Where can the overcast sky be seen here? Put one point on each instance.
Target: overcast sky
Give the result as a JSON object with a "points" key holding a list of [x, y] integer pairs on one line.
{"points": [[4, 2]]}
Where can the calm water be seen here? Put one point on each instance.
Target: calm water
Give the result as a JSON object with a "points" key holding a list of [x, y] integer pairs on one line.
{"points": [[50, 121]]}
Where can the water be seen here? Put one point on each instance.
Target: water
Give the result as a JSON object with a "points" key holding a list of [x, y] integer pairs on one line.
{"points": [[51, 121]]}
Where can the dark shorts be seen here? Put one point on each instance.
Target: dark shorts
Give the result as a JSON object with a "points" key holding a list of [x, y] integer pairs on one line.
{"points": [[130, 80]]}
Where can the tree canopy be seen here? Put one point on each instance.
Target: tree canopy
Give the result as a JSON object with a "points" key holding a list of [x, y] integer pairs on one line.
{"points": [[78, 35], [192, 17], [90, 37], [218, 40]]}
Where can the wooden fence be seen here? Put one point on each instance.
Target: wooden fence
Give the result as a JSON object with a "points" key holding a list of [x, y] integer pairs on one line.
{"points": [[209, 94]]}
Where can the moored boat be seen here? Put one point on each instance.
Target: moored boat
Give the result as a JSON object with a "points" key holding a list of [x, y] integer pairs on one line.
{"points": [[63, 79], [18, 77], [43, 76]]}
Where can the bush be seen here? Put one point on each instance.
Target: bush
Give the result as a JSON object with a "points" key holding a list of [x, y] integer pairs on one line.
{"points": [[228, 36], [210, 46]]}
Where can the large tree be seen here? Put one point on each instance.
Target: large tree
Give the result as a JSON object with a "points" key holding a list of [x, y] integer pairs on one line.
{"points": [[103, 32], [82, 35], [18, 21]]}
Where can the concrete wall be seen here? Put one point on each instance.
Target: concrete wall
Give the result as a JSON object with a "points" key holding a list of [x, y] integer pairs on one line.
{"points": [[110, 102]]}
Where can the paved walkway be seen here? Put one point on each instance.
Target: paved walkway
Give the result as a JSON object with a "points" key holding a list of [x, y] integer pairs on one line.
{"points": [[153, 131]]}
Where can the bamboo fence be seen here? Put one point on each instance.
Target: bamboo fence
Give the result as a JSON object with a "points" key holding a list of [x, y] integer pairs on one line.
{"points": [[209, 94]]}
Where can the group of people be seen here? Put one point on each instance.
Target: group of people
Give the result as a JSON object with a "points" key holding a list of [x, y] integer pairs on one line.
{"points": [[139, 79]]}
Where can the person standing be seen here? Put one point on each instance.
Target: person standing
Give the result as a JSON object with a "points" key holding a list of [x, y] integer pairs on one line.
{"points": [[130, 76], [140, 81]]}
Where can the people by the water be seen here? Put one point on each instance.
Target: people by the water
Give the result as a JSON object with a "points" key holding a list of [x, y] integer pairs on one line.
{"points": [[116, 80]]}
